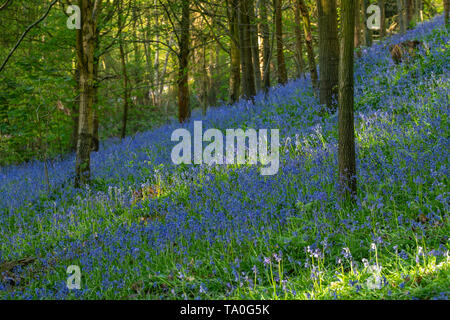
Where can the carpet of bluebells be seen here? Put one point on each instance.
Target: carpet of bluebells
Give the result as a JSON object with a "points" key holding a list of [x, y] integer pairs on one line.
{"points": [[145, 228]]}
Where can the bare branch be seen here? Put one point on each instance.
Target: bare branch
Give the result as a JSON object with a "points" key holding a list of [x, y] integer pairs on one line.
{"points": [[25, 33], [3, 6]]}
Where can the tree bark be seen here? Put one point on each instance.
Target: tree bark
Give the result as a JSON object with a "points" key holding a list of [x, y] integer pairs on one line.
{"points": [[382, 5], [266, 45], [249, 90], [254, 44], [124, 73], [281, 64], [85, 56], [156, 88], [298, 41], [418, 10], [446, 11], [184, 111], [76, 105], [367, 32], [346, 144], [328, 52], [309, 43], [213, 69], [96, 121], [409, 13], [357, 23], [235, 56], [401, 16]]}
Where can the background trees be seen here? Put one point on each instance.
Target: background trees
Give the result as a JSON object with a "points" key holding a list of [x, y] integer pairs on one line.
{"points": [[152, 61]]}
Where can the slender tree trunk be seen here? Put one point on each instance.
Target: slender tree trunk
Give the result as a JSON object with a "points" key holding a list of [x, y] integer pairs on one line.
{"points": [[184, 111], [150, 87], [85, 56], [137, 78], [281, 64], [298, 41], [214, 62], [125, 91], [95, 126], [401, 16], [265, 44], [204, 74], [162, 78], [242, 45], [254, 44], [124, 71], [328, 52], [446, 11], [96, 121], [235, 56], [382, 5], [416, 9], [346, 152], [247, 63], [419, 10], [409, 13], [367, 31], [357, 23], [309, 43], [76, 106], [156, 88]]}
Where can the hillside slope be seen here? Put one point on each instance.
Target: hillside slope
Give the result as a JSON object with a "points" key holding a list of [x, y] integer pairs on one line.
{"points": [[228, 232]]}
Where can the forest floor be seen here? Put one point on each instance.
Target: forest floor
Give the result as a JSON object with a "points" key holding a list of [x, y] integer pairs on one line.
{"points": [[148, 229]]}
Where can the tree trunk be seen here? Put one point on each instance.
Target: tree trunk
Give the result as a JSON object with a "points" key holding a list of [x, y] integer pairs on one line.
{"points": [[76, 105], [328, 52], [156, 88], [382, 5], [235, 56], [346, 152], [204, 78], [124, 71], [281, 64], [309, 43], [125, 91], [401, 16], [265, 44], [85, 56], [357, 23], [254, 44], [446, 11], [94, 130], [409, 13], [96, 108], [214, 62], [246, 50], [367, 31], [298, 41], [418, 10], [184, 111]]}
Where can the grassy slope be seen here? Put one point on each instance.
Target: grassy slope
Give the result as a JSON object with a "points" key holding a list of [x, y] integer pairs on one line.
{"points": [[227, 232]]}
